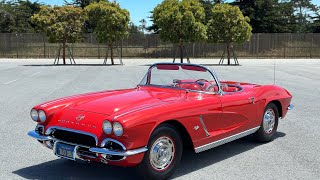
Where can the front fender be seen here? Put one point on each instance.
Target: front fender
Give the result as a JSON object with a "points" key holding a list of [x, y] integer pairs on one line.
{"points": [[140, 125], [269, 93]]}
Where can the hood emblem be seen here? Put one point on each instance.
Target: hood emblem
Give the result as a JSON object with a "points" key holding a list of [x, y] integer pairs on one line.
{"points": [[80, 117]]}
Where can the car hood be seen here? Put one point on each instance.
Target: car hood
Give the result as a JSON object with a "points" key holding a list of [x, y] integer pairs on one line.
{"points": [[109, 103]]}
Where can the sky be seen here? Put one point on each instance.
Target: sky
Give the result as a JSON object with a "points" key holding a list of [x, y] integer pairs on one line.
{"points": [[139, 9]]}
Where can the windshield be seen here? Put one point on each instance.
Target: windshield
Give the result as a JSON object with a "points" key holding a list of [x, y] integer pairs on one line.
{"points": [[190, 77]]}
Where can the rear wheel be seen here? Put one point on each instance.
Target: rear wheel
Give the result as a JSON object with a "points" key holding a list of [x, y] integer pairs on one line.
{"points": [[163, 155], [269, 124]]}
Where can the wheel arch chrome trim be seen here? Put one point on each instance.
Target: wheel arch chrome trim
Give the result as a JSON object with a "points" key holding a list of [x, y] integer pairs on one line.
{"points": [[225, 140]]}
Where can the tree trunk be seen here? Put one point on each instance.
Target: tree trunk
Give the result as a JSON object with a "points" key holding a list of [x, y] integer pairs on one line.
{"points": [[111, 49], [64, 52], [181, 51], [228, 52]]}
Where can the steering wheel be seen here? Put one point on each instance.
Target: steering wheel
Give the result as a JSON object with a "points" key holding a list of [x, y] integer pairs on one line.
{"points": [[202, 84], [176, 82]]}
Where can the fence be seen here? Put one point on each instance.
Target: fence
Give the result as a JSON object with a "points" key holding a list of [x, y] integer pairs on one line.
{"points": [[33, 45]]}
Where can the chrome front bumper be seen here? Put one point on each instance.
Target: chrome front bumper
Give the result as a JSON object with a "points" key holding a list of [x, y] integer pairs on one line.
{"points": [[99, 150]]}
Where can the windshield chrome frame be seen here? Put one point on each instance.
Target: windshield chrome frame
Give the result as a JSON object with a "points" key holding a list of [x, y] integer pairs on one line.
{"points": [[183, 64]]}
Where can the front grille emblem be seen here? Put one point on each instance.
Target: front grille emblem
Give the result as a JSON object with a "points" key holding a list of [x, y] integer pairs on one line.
{"points": [[80, 117]]}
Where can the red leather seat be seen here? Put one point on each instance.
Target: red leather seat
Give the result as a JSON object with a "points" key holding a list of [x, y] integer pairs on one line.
{"points": [[195, 87]]}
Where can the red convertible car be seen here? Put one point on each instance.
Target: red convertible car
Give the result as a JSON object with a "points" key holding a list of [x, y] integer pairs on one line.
{"points": [[148, 126]]}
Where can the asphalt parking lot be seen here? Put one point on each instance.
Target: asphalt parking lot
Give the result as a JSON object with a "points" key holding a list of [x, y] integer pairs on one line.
{"points": [[294, 154]]}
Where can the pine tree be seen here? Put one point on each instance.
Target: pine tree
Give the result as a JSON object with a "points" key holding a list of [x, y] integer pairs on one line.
{"points": [[305, 11], [269, 16]]}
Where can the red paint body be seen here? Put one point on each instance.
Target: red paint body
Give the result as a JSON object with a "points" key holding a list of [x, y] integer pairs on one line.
{"points": [[142, 109]]}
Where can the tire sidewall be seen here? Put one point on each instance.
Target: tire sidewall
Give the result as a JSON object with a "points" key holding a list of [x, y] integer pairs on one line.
{"points": [[261, 134], [146, 168]]}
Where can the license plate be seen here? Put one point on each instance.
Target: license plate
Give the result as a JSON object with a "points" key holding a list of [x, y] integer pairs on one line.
{"points": [[65, 151]]}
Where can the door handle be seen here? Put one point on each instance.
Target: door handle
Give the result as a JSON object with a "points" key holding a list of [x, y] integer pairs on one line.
{"points": [[252, 100]]}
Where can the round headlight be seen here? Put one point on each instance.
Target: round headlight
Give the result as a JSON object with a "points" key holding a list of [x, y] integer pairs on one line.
{"points": [[42, 116], [34, 115], [117, 129], [107, 127]]}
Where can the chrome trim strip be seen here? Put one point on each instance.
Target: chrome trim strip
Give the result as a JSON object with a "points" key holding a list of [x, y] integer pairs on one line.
{"points": [[225, 140], [204, 126], [120, 153], [290, 107], [52, 128]]}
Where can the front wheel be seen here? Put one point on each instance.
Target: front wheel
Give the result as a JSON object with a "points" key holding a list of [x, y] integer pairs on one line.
{"points": [[269, 124], [163, 155]]}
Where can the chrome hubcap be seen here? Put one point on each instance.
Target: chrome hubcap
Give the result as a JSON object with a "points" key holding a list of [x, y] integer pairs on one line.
{"points": [[269, 120], [162, 153]]}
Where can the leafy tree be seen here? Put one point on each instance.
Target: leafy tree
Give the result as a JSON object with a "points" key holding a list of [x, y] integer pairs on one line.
{"points": [[180, 22], [61, 24], [80, 3], [111, 22], [228, 25]]}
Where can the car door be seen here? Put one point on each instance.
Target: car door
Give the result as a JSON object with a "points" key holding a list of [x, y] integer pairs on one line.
{"points": [[211, 114], [239, 112]]}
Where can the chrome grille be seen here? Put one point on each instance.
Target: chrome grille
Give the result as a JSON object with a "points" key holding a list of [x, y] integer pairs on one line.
{"points": [[74, 137]]}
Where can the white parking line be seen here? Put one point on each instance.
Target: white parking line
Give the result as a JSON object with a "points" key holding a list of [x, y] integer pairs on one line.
{"points": [[34, 74], [11, 81]]}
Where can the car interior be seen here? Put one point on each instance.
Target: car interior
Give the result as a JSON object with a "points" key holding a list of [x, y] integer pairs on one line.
{"points": [[204, 85]]}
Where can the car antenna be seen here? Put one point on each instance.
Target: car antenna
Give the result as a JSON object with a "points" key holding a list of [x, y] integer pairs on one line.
{"points": [[274, 71]]}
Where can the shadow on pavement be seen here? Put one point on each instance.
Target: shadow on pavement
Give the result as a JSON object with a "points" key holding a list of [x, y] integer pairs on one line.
{"points": [[204, 64], [65, 169], [62, 65], [221, 65]]}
